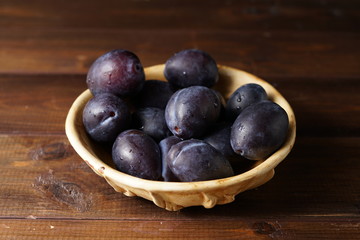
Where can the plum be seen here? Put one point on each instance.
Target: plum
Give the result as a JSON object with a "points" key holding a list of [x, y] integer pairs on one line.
{"points": [[137, 154], [118, 72], [195, 160], [191, 110], [191, 67], [105, 116], [259, 130]]}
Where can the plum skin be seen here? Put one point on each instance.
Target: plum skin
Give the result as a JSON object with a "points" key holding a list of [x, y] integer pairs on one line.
{"points": [[119, 72], [154, 93], [137, 154], [191, 110], [105, 116], [165, 146], [191, 67], [195, 160], [151, 120], [259, 130], [219, 138], [243, 97]]}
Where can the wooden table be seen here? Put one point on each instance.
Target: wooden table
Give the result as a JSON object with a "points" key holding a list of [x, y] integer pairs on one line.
{"points": [[308, 49]]}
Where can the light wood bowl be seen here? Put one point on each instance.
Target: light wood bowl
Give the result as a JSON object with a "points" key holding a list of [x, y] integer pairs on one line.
{"points": [[176, 195]]}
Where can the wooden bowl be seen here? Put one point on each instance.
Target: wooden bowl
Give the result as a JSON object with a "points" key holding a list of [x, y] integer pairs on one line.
{"points": [[176, 195]]}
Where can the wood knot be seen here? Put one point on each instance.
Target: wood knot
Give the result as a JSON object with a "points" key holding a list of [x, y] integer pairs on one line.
{"points": [[67, 193], [264, 228], [51, 151]]}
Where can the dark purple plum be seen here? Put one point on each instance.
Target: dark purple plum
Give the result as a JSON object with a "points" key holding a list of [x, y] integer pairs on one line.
{"points": [[191, 67], [195, 160], [155, 93], [165, 146], [219, 138], [191, 110], [105, 116], [118, 72], [137, 154], [152, 121], [259, 130], [222, 105], [243, 97]]}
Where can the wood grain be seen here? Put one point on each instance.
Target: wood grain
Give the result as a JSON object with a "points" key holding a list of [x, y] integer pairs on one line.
{"points": [[43, 177], [267, 54], [159, 229], [320, 105], [42, 100], [307, 49], [161, 14]]}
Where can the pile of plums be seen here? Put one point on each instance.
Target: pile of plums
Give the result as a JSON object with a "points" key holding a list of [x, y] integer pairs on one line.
{"points": [[180, 129]]}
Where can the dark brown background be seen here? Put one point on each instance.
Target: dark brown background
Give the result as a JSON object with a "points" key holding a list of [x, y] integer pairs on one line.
{"points": [[308, 49]]}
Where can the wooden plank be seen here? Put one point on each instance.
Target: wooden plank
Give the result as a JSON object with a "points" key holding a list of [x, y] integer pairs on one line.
{"points": [[42, 177], [38, 104], [196, 229], [323, 107], [308, 49], [267, 54], [314, 15]]}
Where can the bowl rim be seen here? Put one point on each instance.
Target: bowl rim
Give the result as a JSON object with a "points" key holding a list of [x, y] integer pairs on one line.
{"points": [[106, 171]]}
